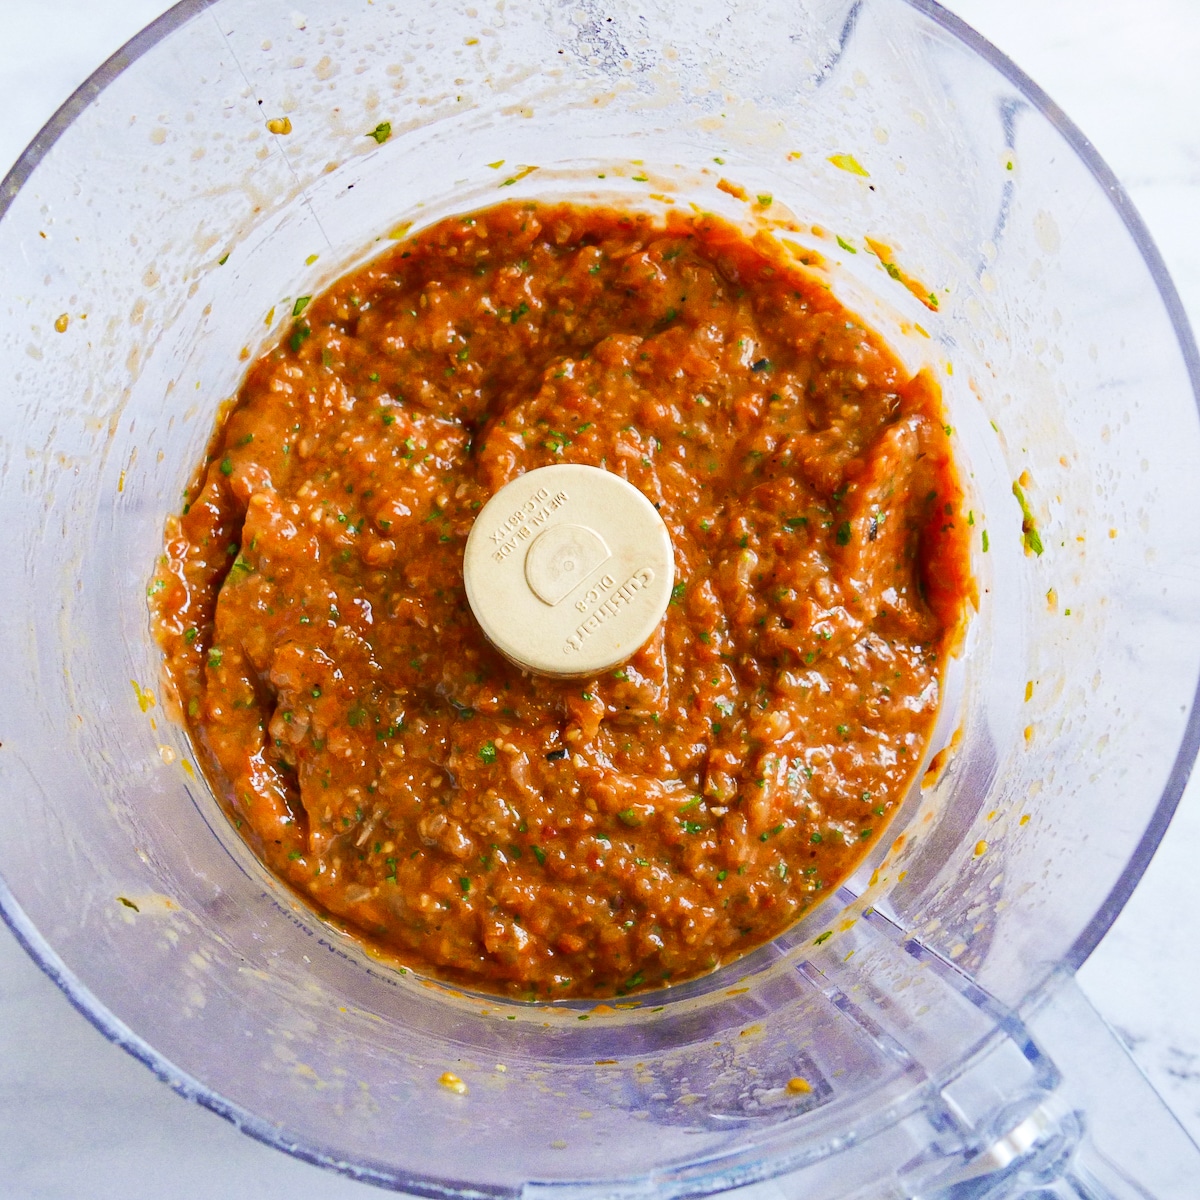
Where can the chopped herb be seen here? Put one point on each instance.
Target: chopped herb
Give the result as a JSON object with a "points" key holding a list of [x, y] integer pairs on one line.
{"points": [[488, 752], [846, 246], [843, 534], [1029, 530], [540, 855], [464, 883], [381, 132], [215, 654], [227, 465], [302, 302]]}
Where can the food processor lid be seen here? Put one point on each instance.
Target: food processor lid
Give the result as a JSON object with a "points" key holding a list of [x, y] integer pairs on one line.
{"points": [[568, 570]]}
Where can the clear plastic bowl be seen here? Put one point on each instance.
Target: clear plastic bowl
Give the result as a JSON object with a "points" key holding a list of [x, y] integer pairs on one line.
{"points": [[156, 227]]}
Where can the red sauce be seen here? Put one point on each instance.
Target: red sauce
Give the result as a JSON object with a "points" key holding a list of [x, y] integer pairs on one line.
{"points": [[563, 838]]}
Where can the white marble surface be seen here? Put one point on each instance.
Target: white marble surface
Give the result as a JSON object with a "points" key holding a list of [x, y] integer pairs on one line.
{"points": [[79, 1117]]}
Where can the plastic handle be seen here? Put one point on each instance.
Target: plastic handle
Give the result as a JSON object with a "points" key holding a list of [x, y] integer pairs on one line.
{"points": [[1127, 1144], [1041, 1103], [1103, 1133]]}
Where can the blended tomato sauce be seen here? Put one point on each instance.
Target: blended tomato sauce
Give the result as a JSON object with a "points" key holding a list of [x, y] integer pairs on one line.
{"points": [[550, 838]]}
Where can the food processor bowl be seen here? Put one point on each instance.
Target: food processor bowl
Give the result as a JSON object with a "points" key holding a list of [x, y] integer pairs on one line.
{"points": [[918, 1034]]}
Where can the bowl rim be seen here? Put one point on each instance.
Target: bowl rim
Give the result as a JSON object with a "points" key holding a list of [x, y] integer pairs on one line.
{"points": [[187, 1086]]}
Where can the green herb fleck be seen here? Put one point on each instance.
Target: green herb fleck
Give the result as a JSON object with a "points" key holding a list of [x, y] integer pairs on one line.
{"points": [[381, 132], [488, 752], [1029, 530]]}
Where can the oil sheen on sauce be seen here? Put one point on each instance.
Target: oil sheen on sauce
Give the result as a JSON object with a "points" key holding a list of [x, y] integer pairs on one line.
{"points": [[551, 838]]}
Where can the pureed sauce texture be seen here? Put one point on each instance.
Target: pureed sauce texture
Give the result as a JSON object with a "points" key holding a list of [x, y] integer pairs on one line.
{"points": [[551, 838]]}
